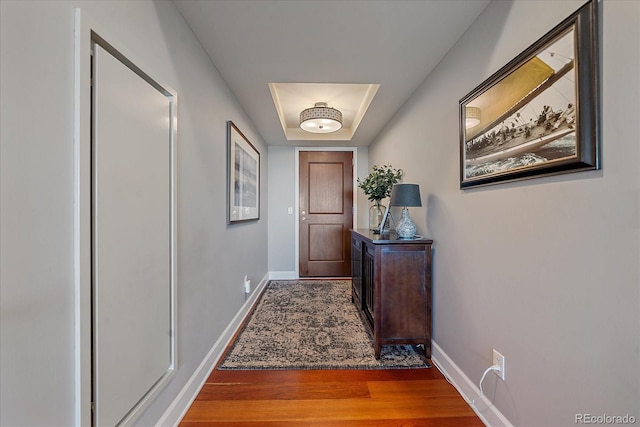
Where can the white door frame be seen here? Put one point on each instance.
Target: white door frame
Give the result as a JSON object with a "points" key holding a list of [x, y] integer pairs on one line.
{"points": [[86, 32], [297, 194]]}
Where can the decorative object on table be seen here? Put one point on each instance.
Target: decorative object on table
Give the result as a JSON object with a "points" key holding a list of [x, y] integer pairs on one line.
{"points": [[377, 186], [376, 214], [405, 195], [321, 119], [539, 115], [384, 222], [243, 185], [312, 324]]}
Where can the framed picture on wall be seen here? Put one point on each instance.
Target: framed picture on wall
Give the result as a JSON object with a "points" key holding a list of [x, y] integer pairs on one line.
{"points": [[243, 186], [539, 114]]}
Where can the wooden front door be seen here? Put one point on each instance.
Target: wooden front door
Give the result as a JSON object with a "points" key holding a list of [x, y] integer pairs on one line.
{"points": [[326, 213]]}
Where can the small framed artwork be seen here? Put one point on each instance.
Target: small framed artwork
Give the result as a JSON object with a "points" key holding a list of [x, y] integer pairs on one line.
{"points": [[243, 188], [539, 115]]}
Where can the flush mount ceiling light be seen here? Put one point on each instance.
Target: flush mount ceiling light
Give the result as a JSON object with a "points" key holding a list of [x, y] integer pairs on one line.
{"points": [[321, 119], [472, 117]]}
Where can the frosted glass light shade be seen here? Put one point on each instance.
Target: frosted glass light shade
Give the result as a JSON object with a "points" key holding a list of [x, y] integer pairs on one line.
{"points": [[472, 117], [321, 119]]}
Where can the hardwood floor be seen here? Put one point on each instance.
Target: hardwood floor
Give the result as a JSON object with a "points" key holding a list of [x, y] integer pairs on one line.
{"points": [[329, 398]]}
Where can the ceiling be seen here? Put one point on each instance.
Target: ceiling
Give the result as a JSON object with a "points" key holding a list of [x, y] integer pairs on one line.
{"points": [[281, 56]]}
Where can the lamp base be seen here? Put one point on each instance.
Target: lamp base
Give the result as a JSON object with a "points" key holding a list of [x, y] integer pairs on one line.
{"points": [[406, 229]]}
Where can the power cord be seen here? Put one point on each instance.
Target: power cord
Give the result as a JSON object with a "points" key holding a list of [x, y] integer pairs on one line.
{"points": [[470, 402], [490, 368], [446, 377]]}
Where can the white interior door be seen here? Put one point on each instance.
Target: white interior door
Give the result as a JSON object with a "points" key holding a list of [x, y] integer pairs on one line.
{"points": [[132, 237]]}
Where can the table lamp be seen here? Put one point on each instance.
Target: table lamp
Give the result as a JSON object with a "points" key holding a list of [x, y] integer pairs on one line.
{"points": [[405, 195]]}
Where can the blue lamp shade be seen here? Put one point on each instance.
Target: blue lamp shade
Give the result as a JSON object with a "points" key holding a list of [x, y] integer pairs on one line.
{"points": [[405, 195]]}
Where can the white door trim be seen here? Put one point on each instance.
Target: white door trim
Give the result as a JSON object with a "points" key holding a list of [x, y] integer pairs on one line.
{"points": [[297, 194], [86, 32]]}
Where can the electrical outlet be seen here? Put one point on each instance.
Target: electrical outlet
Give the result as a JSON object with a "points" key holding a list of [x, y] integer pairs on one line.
{"points": [[498, 359]]}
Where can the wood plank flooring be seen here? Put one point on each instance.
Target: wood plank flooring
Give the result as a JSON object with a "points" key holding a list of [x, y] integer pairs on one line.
{"points": [[329, 398]]}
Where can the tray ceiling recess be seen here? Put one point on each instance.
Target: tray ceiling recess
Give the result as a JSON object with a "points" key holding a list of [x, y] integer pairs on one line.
{"points": [[290, 99]]}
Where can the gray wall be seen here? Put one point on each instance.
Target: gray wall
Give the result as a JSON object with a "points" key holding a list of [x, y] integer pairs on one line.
{"points": [[281, 224], [37, 189], [547, 270]]}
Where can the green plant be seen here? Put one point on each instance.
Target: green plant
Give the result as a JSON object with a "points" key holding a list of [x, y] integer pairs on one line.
{"points": [[377, 185]]}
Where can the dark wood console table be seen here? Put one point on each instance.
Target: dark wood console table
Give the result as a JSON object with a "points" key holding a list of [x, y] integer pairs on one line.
{"points": [[391, 287]]}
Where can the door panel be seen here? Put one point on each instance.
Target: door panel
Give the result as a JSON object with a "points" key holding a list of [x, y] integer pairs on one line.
{"points": [[327, 242], [326, 213], [327, 182], [131, 217]]}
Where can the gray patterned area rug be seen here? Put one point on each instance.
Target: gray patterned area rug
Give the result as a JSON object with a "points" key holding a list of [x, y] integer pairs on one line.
{"points": [[311, 324]]}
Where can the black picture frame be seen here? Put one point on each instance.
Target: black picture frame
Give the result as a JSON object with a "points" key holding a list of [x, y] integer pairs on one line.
{"points": [[539, 115], [243, 177]]}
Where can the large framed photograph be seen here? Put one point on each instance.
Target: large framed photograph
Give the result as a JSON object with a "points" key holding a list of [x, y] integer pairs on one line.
{"points": [[243, 190], [539, 114]]}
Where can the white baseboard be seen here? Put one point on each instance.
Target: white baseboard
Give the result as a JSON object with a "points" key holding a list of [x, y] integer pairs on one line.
{"points": [[178, 408], [490, 416], [484, 408], [282, 275]]}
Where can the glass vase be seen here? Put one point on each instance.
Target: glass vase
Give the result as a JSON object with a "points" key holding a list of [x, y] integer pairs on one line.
{"points": [[376, 212]]}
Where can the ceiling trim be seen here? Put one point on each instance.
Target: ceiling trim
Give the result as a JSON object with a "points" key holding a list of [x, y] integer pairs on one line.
{"points": [[353, 100]]}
